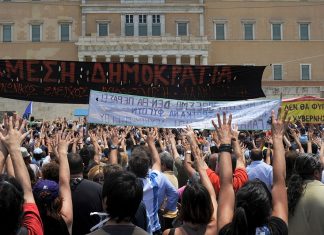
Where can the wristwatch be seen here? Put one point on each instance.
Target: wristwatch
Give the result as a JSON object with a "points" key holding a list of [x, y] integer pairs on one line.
{"points": [[113, 147]]}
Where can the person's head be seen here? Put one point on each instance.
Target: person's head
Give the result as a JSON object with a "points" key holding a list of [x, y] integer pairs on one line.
{"points": [[75, 164], [139, 162], [196, 204], [11, 204], [122, 193], [256, 154], [307, 167], [111, 168], [166, 161], [252, 207], [46, 194], [212, 161], [96, 174], [50, 171], [38, 154], [290, 157]]}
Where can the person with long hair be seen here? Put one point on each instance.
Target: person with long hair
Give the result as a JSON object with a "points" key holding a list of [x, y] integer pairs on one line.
{"points": [[198, 203], [305, 196], [54, 199], [251, 212]]}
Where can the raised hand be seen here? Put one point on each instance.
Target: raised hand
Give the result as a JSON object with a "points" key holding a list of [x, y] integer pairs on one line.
{"points": [[224, 130], [279, 124]]}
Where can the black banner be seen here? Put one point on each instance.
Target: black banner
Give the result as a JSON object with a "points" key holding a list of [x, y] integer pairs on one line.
{"points": [[71, 82]]}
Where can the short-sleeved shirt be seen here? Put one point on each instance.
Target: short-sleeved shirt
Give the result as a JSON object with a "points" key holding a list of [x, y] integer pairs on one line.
{"points": [[308, 217], [275, 226], [262, 171], [240, 177], [32, 220]]}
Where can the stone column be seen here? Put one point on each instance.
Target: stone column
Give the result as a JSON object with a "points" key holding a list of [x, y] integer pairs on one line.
{"points": [[150, 59], [136, 58], [178, 59], [81, 58], [108, 58], [204, 60], [149, 25], [122, 58], [93, 58], [192, 59], [135, 25], [164, 59], [201, 25]]}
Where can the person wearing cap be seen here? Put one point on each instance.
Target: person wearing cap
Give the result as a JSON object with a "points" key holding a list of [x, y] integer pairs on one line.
{"points": [[54, 200], [26, 156], [38, 157]]}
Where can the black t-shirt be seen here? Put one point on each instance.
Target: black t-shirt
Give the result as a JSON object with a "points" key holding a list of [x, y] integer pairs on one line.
{"points": [[275, 225], [86, 198]]}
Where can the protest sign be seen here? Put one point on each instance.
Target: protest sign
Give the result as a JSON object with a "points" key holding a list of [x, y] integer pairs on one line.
{"points": [[308, 109], [120, 109], [70, 82]]}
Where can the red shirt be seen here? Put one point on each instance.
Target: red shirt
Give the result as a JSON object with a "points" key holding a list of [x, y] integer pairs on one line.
{"points": [[32, 220], [240, 177]]}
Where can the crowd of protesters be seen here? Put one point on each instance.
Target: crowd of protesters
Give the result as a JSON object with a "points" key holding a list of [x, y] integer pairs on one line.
{"points": [[70, 177]]}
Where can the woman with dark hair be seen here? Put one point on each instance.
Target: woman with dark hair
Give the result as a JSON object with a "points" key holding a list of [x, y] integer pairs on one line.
{"points": [[54, 199], [305, 196], [198, 204], [251, 211]]}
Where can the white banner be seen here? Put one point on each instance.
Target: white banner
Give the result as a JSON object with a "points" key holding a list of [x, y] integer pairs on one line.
{"points": [[129, 110]]}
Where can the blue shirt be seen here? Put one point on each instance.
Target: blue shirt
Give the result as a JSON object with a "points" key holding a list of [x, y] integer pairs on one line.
{"points": [[262, 171], [168, 191]]}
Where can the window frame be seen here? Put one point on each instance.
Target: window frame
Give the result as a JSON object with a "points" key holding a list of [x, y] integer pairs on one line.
{"points": [[144, 24], [187, 28], [70, 31], [224, 23], [40, 31], [98, 27], [157, 18], [272, 31], [310, 72], [130, 16], [273, 72], [11, 32], [300, 31], [253, 30]]}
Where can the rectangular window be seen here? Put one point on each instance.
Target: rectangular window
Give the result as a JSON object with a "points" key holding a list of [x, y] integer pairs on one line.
{"points": [[36, 33], [102, 29], [129, 25], [6, 33], [142, 25], [182, 29], [305, 71], [65, 32], [277, 71], [220, 31], [156, 25], [248, 31], [276, 31], [304, 31]]}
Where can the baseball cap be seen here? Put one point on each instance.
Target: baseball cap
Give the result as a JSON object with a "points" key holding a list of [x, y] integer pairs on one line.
{"points": [[24, 152], [38, 151], [46, 191]]}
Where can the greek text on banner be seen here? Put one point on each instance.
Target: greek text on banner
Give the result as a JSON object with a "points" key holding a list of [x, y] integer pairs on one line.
{"points": [[120, 109], [308, 109]]}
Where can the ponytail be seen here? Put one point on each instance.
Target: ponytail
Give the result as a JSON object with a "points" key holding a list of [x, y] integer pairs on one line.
{"points": [[239, 222], [295, 191]]}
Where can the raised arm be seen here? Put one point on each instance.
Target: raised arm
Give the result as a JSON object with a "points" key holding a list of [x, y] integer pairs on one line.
{"points": [[279, 192], [156, 161], [226, 198], [64, 179], [202, 167], [240, 159], [10, 138]]}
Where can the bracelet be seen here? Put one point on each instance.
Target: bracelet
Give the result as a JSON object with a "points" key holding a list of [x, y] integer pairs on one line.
{"points": [[188, 152], [225, 148]]}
